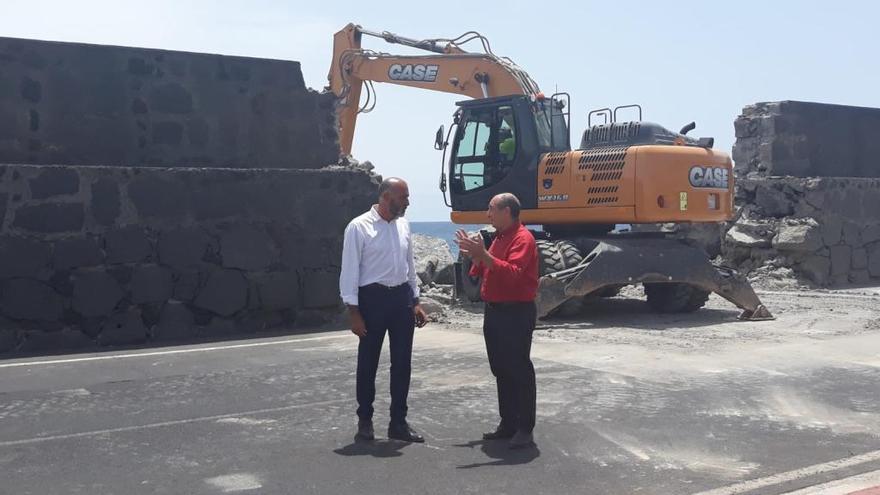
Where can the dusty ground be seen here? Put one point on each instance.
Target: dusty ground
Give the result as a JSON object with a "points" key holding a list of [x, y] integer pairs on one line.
{"points": [[629, 402]]}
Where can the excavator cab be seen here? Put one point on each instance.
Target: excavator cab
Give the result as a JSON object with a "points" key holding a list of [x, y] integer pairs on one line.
{"points": [[496, 147]]}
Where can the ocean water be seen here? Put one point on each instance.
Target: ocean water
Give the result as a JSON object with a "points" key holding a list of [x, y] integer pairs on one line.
{"points": [[446, 231], [442, 230]]}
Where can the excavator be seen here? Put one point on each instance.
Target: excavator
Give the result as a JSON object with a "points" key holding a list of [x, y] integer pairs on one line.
{"points": [[509, 137]]}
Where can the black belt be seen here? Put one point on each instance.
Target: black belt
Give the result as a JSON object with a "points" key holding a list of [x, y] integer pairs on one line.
{"points": [[384, 287], [509, 304]]}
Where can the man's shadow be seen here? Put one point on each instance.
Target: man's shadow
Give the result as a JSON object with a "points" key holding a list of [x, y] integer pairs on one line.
{"points": [[504, 455], [375, 448]]}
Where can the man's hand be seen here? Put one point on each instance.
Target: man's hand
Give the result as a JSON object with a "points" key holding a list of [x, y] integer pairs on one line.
{"points": [[421, 317], [471, 246], [358, 327]]}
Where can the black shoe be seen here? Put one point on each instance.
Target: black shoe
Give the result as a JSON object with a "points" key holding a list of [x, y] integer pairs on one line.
{"points": [[501, 432], [402, 431], [365, 430], [521, 440]]}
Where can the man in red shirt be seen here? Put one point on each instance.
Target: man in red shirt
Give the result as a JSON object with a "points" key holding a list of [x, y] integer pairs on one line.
{"points": [[509, 270]]}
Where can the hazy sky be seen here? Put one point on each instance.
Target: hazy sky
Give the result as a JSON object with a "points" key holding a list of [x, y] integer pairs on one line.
{"points": [[680, 61]]}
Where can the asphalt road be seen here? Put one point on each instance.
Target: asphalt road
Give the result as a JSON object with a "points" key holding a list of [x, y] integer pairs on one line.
{"points": [[628, 407]]}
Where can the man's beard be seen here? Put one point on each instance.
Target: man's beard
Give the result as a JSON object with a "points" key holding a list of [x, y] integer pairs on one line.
{"points": [[397, 211]]}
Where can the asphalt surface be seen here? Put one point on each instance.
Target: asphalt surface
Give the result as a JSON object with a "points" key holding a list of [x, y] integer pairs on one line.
{"points": [[615, 415]]}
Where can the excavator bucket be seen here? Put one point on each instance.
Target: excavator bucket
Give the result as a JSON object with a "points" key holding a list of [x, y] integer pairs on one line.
{"points": [[629, 260]]}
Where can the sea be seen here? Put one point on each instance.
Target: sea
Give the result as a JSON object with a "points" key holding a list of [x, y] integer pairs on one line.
{"points": [[446, 231], [442, 230]]}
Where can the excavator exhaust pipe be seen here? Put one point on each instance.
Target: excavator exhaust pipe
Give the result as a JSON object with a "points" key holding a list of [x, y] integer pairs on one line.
{"points": [[650, 261]]}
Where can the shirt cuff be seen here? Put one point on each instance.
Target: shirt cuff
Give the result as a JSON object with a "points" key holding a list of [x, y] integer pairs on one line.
{"points": [[350, 300]]}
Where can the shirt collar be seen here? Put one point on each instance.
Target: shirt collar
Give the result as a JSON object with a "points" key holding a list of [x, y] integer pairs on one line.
{"points": [[509, 230], [376, 217]]}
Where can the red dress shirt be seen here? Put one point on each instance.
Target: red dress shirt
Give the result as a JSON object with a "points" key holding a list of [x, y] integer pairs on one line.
{"points": [[514, 275]]}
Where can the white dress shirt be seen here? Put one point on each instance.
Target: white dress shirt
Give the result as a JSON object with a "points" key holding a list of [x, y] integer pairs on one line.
{"points": [[376, 252]]}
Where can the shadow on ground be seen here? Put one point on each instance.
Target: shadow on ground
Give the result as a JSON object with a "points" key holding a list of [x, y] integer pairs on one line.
{"points": [[375, 448], [503, 455]]}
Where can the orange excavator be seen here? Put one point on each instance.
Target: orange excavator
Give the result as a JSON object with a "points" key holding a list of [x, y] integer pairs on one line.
{"points": [[510, 137]]}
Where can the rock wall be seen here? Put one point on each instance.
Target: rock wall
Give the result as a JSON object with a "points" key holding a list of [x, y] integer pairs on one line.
{"points": [[79, 104], [826, 230], [799, 139], [116, 255], [808, 199]]}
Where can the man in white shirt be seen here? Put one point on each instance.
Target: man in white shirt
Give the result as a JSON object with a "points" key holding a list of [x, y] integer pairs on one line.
{"points": [[379, 285]]}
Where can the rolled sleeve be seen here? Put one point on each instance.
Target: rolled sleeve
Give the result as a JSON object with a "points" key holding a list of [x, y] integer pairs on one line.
{"points": [[412, 276], [351, 262]]}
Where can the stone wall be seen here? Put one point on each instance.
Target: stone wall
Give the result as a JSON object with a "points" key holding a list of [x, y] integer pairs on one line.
{"points": [[79, 104], [799, 139], [807, 198], [827, 230], [120, 255]]}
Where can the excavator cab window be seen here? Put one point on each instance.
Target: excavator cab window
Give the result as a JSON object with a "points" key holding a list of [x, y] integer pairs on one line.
{"points": [[485, 148], [552, 127]]}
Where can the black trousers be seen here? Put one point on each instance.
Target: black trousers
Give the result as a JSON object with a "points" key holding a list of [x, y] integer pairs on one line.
{"points": [[507, 328], [385, 310]]}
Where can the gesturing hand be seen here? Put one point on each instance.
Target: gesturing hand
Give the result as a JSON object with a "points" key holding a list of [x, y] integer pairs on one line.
{"points": [[471, 246]]}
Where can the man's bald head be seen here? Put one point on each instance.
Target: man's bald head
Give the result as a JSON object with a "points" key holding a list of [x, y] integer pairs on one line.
{"points": [[503, 211], [391, 183], [508, 200], [393, 197]]}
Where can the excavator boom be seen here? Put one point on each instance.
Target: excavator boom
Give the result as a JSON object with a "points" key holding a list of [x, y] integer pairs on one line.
{"points": [[448, 68]]}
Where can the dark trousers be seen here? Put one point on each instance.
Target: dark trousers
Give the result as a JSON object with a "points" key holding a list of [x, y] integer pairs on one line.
{"points": [[507, 328], [385, 309]]}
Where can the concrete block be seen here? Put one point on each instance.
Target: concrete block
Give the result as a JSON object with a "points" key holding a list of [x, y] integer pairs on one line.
{"points": [[816, 268], [54, 181], [225, 293], [798, 237], [739, 236], [176, 322], [323, 289], [105, 201], [95, 292], [26, 299], [127, 245], [874, 260], [859, 259], [157, 195], [264, 320], [831, 226], [64, 339], [247, 247], [22, 257], [9, 340], [187, 284], [50, 218], [772, 201], [183, 248], [277, 291], [151, 283], [851, 234], [870, 233], [76, 252], [124, 328], [859, 277], [841, 260], [218, 327]]}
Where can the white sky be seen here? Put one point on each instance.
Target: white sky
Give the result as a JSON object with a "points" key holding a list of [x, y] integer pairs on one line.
{"points": [[681, 61]]}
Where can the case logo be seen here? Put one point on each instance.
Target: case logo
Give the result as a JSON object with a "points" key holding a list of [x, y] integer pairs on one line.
{"points": [[413, 72], [714, 177]]}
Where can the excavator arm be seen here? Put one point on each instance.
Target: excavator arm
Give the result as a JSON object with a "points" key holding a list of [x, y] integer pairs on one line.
{"points": [[448, 68]]}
